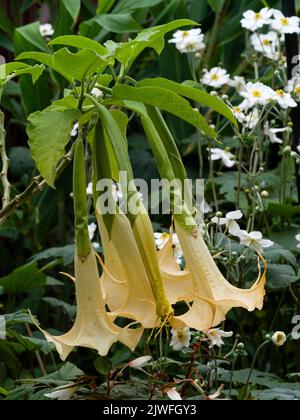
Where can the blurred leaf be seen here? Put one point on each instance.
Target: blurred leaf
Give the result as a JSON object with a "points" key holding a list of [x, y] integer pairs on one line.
{"points": [[116, 23], [23, 279], [65, 252]]}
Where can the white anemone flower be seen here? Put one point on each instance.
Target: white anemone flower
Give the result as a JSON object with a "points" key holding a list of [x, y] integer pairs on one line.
{"points": [[257, 93], [284, 99], [230, 222], [180, 339], [62, 393], [267, 44], [239, 114], [285, 25], [256, 20], [226, 156], [216, 77], [46, 30], [216, 335], [272, 133], [92, 230], [140, 362], [188, 41], [255, 240]]}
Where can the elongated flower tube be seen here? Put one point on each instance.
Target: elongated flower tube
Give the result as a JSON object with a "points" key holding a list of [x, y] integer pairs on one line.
{"points": [[125, 283], [94, 327], [212, 295]]}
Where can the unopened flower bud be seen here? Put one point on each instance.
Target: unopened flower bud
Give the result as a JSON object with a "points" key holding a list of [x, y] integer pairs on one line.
{"points": [[241, 346], [214, 93], [279, 338], [287, 149], [219, 214], [294, 154], [265, 194]]}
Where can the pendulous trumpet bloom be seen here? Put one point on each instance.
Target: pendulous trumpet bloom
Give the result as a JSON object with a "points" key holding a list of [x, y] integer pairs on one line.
{"points": [[93, 328], [212, 295], [125, 283]]}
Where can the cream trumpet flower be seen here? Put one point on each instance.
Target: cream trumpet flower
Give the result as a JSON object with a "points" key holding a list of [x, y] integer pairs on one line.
{"points": [[125, 283], [212, 295], [94, 327]]}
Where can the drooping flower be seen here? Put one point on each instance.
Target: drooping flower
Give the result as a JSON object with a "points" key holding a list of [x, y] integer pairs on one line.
{"points": [[239, 114], [230, 222], [252, 119], [140, 362], [46, 30], [216, 335], [284, 99], [212, 295], [271, 133], [257, 94], [180, 339], [63, 393], [298, 240], [238, 82], [125, 283], [285, 25], [188, 41], [279, 339], [267, 44], [256, 20], [255, 240], [225, 155], [216, 77]]}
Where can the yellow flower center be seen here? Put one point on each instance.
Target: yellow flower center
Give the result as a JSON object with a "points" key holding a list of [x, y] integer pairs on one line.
{"points": [[297, 90], [181, 335], [266, 42], [280, 92], [215, 77], [256, 93], [165, 235], [237, 109], [185, 34], [258, 16], [284, 21]]}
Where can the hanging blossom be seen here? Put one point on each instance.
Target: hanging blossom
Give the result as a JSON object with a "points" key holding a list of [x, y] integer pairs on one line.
{"points": [[284, 99], [255, 240], [298, 240], [180, 339], [257, 94], [188, 41], [226, 156], [256, 20], [267, 44], [230, 222], [161, 240], [63, 393], [216, 335], [46, 30], [285, 25], [173, 394], [272, 133], [216, 77]]}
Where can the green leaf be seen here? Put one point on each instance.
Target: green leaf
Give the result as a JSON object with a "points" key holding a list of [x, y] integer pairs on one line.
{"points": [[72, 7], [49, 133], [167, 101], [34, 71], [131, 5], [65, 252], [23, 279], [116, 23], [105, 6], [31, 35], [283, 210], [216, 5], [194, 94], [281, 276], [80, 42]]}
